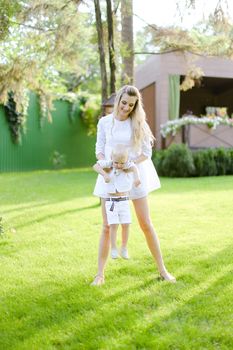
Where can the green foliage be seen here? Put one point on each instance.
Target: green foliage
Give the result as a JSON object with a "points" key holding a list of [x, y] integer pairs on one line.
{"points": [[211, 36], [213, 162], [204, 162], [58, 160], [222, 160], [7, 10], [15, 119], [74, 109], [158, 158], [179, 161], [90, 111], [230, 163], [45, 48]]}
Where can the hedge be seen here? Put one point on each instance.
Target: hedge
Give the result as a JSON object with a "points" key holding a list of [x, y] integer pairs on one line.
{"points": [[180, 161]]}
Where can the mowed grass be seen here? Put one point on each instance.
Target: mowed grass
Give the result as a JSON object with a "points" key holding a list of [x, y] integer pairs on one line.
{"points": [[48, 259]]}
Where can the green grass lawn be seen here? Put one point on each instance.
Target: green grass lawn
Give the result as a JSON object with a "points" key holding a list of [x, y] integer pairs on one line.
{"points": [[48, 259]]}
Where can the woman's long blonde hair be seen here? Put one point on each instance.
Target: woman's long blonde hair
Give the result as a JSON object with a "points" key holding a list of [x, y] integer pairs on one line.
{"points": [[140, 128]]}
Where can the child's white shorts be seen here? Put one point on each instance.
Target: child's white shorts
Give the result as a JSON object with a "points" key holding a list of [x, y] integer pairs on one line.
{"points": [[118, 212]]}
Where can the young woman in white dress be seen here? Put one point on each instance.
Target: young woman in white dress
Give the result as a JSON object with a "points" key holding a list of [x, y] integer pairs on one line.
{"points": [[127, 125]]}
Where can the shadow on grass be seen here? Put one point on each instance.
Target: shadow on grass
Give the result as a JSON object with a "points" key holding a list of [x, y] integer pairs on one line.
{"points": [[53, 216], [25, 207], [134, 315], [19, 188], [6, 246], [191, 323]]}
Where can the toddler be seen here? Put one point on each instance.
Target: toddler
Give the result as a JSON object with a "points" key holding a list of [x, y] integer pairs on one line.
{"points": [[120, 175]]}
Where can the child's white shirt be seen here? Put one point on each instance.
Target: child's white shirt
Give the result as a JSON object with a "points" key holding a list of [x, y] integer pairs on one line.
{"points": [[120, 180]]}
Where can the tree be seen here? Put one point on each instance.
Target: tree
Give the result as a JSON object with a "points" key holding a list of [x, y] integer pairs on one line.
{"points": [[127, 59], [8, 9], [99, 27], [112, 63], [127, 41], [46, 44], [212, 37]]}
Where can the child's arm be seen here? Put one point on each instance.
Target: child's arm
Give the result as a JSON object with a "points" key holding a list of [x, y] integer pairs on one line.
{"points": [[136, 177], [102, 172]]}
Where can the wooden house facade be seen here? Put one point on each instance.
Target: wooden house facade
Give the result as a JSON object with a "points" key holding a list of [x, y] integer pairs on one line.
{"points": [[216, 89]]}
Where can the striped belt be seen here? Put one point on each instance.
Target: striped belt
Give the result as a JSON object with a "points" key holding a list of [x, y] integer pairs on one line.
{"points": [[117, 199]]}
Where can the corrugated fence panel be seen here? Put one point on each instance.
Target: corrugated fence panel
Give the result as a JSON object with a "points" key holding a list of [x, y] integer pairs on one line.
{"points": [[39, 142]]}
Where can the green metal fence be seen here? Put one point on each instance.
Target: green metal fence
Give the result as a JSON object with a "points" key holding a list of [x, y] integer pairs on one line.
{"points": [[67, 137]]}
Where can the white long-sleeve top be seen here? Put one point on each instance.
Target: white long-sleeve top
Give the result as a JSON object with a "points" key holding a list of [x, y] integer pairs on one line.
{"points": [[111, 131]]}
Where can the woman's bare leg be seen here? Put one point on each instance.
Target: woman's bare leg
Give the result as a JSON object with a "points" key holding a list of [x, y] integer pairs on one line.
{"points": [[103, 247], [113, 235], [143, 215]]}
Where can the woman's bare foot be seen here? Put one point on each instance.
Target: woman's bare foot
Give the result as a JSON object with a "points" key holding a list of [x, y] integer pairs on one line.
{"points": [[166, 276], [98, 281]]}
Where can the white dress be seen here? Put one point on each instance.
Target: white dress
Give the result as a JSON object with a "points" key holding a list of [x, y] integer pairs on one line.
{"points": [[110, 132]]}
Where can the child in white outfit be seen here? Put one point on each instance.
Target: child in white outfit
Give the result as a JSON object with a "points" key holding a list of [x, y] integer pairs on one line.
{"points": [[120, 176]]}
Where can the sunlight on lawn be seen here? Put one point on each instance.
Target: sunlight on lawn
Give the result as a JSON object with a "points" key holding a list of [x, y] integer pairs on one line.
{"points": [[48, 259]]}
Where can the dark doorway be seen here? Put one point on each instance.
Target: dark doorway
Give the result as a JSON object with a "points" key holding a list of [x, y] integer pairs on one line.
{"points": [[214, 92]]}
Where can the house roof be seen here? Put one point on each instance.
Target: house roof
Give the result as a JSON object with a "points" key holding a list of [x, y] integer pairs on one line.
{"points": [[158, 66]]}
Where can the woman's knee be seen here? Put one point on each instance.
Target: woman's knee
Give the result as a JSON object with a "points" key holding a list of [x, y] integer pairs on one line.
{"points": [[146, 225]]}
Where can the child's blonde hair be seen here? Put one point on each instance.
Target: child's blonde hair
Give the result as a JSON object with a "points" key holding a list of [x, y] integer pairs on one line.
{"points": [[141, 129], [120, 152]]}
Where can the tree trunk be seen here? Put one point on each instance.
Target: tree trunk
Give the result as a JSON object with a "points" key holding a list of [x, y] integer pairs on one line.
{"points": [[112, 63], [127, 41], [103, 72]]}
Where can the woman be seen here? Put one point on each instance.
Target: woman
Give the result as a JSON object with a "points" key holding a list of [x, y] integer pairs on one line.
{"points": [[127, 125]]}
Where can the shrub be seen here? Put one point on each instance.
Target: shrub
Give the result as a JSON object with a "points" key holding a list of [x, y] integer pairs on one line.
{"points": [[204, 162], [230, 163], [177, 161], [222, 160], [90, 111], [58, 160], [158, 158]]}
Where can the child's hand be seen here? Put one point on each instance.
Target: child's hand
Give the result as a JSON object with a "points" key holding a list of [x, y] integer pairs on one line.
{"points": [[137, 182], [107, 178]]}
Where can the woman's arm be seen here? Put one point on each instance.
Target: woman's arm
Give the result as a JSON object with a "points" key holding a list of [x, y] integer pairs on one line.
{"points": [[140, 158], [101, 171], [100, 156], [136, 177], [100, 141], [146, 150]]}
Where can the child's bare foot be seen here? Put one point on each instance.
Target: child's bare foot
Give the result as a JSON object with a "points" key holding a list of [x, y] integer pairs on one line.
{"points": [[166, 276], [98, 281]]}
